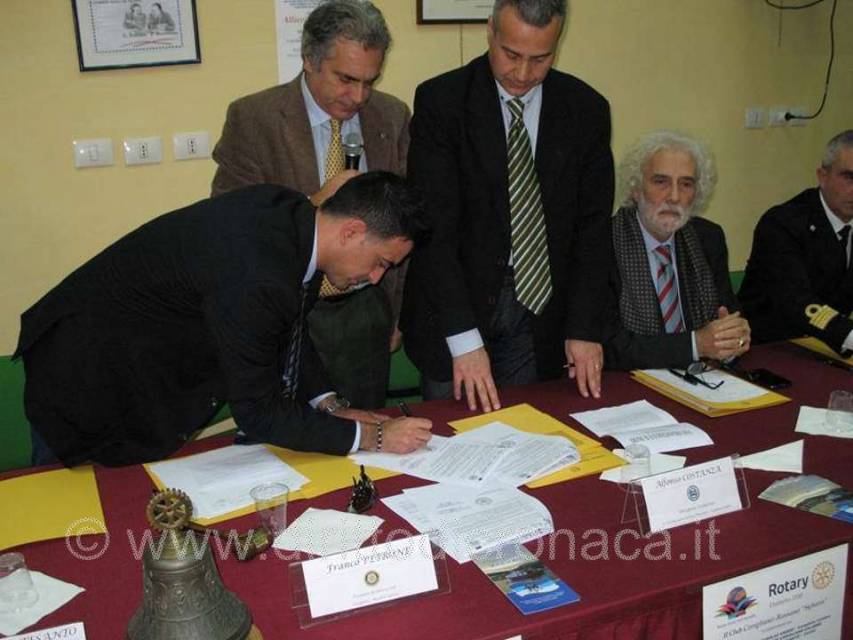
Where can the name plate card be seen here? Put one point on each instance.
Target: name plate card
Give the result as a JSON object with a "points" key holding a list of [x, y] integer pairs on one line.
{"points": [[801, 599], [690, 494], [73, 631], [368, 576]]}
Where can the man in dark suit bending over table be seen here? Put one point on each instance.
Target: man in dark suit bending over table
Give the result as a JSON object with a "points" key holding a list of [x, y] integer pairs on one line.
{"points": [[515, 160], [140, 346]]}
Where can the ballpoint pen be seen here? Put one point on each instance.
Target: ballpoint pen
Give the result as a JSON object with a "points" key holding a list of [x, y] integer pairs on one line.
{"points": [[408, 413]]}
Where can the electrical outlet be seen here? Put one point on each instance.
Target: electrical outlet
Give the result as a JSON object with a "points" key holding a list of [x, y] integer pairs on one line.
{"points": [[798, 122], [143, 150], [191, 145], [777, 116], [95, 152]]}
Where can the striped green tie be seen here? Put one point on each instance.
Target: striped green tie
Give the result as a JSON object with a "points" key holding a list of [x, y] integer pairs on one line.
{"points": [[527, 219]]}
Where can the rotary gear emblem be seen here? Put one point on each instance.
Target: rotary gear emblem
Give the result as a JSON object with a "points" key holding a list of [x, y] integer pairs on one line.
{"points": [[169, 510], [822, 575]]}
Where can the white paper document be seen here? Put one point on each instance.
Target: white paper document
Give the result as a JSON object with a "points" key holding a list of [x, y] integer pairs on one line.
{"points": [[368, 576], [801, 599], [219, 481], [326, 531], [788, 457], [450, 460], [466, 521], [527, 456], [813, 420], [658, 462], [643, 423], [694, 493], [493, 454]]}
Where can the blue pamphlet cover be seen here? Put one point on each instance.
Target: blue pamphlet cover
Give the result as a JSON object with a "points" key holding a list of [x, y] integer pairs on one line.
{"points": [[528, 584]]}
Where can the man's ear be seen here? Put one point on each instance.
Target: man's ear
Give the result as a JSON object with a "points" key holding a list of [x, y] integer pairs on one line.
{"points": [[352, 229]]}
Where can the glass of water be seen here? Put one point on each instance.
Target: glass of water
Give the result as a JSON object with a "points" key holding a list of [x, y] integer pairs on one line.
{"points": [[839, 411], [17, 591]]}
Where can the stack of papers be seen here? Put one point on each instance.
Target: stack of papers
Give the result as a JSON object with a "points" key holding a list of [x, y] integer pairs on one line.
{"points": [[218, 482], [594, 458], [643, 423], [495, 454], [465, 521], [733, 396]]}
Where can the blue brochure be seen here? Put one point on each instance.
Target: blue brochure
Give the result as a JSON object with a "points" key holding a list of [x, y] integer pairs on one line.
{"points": [[529, 584]]}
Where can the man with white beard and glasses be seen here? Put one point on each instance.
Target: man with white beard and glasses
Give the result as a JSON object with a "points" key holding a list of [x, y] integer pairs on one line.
{"points": [[672, 301]]}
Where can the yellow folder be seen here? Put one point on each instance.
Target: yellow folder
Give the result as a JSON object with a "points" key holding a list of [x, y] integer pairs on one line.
{"points": [[761, 400], [50, 504], [819, 346]]}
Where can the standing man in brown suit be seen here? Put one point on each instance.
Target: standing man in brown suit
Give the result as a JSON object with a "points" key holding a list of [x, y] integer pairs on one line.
{"points": [[292, 135]]}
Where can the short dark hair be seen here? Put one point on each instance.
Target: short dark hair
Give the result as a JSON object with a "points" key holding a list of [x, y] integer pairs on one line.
{"points": [[537, 13], [356, 20], [385, 202]]}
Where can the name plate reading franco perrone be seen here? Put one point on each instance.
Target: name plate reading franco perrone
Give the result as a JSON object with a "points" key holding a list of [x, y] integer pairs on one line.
{"points": [[368, 576], [690, 494]]}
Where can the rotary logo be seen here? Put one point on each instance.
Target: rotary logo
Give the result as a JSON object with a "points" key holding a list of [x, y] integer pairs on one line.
{"points": [[823, 575], [737, 603], [371, 578]]}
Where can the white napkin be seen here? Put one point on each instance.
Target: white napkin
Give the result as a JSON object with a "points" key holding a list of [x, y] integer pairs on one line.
{"points": [[53, 594], [813, 420], [788, 457], [659, 462], [326, 531]]}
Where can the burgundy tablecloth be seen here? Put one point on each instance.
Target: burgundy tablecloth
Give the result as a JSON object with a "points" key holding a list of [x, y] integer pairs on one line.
{"points": [[657, 594]]}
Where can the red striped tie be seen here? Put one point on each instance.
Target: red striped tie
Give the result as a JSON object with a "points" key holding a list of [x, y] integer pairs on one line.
{"points": [[667, 291]]}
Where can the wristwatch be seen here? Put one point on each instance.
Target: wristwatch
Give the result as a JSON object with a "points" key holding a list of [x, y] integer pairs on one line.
{"points": [[335, 403]]}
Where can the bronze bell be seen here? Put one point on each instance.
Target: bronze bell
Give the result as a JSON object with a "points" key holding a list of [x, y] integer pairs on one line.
{"points": [[183, 595]]}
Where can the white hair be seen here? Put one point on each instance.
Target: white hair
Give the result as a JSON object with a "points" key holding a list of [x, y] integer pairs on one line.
{"points": [[635, 160]]}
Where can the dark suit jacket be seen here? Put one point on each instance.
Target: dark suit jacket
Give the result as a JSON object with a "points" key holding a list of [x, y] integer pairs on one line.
{"points": [[796, 261], [136, 349], [628, 350], [458, 157]]}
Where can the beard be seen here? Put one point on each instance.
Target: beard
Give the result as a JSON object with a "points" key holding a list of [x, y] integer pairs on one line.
{"points": [[662, 226]]}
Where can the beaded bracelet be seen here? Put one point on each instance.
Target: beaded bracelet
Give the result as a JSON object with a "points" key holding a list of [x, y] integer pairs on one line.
{"points": [[379, 437]]}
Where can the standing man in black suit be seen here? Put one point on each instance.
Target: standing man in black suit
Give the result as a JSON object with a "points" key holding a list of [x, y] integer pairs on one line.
{"points": [[139, 347], [798, 279], [671, 281], [515, 160]]}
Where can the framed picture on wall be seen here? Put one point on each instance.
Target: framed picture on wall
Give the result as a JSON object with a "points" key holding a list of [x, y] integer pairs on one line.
{"points": [[117, 34], [453, 11]]}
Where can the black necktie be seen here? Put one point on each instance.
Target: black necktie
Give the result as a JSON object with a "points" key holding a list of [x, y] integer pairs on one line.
{"points": [[843, 237], [290, 370]]}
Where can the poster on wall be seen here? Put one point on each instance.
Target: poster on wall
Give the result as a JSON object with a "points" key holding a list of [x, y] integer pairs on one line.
{"points": [[290, 15], [453, 11], [116, 34]]}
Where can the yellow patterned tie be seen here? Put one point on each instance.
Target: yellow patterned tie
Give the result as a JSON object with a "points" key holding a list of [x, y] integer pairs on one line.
{"points": [[334, 165]]}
